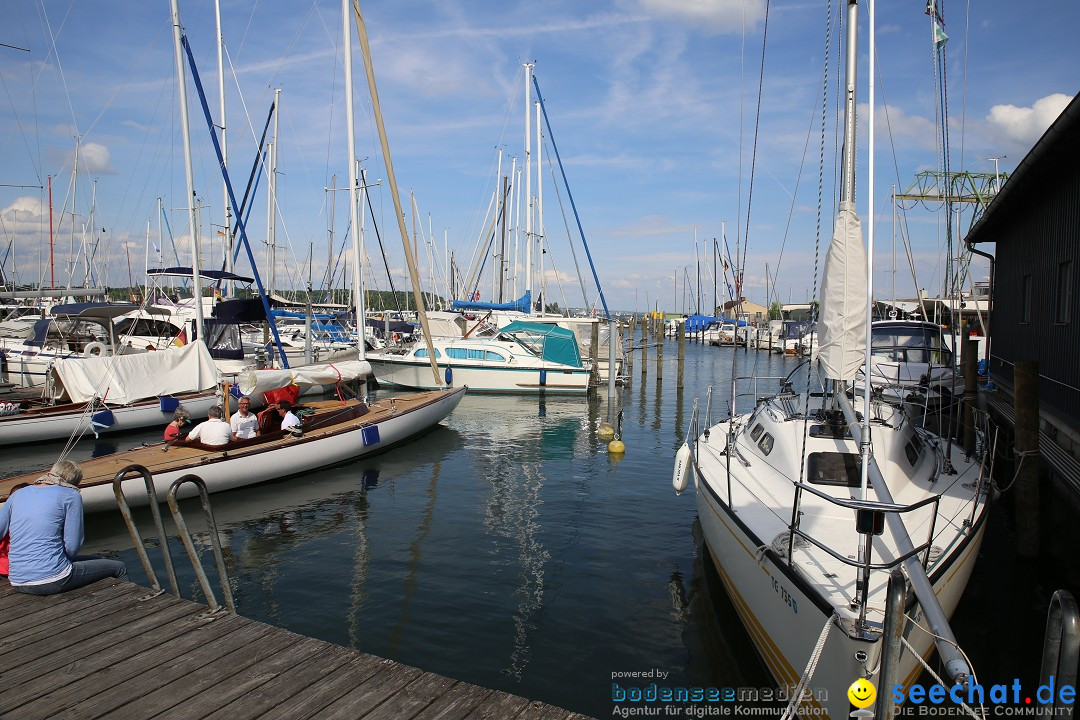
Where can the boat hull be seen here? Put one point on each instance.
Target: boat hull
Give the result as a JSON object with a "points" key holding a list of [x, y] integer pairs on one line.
{"points": [[517, 380], [784, 615]]}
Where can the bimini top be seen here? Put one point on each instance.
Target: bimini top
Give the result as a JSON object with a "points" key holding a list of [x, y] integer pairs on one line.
{"points": [[101, 312], [556, 344], [185, 272]]}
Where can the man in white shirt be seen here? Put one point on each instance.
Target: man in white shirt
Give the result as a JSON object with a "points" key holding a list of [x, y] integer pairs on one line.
{"points": [[288, 417], [244, 423], [215, 431]]}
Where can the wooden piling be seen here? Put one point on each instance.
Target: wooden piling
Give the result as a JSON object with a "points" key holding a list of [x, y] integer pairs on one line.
{"points": [[594, 353], [644, 347], [969, 349], [681, 340], [630, 349], [659, 353], [1026, 412]]}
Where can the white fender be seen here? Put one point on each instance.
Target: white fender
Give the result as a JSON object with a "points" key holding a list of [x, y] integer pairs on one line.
{"points": [[94, 349], [680, 478]]}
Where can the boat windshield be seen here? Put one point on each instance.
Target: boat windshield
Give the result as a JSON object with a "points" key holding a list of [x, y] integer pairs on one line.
{"points": [[914, 344]]}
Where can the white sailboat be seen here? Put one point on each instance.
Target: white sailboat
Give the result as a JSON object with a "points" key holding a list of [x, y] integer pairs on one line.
{"points": [[809, 501]]}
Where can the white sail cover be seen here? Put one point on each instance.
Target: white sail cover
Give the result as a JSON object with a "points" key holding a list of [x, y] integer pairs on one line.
{"points": [[842, 325], [124, 379], [259, 381]]}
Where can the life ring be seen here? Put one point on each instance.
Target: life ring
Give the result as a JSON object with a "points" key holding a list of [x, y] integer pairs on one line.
{"points": [[94, 349]]}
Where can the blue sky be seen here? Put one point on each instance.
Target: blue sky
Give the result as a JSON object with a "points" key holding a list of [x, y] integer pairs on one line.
{"points": [[653, 104]]}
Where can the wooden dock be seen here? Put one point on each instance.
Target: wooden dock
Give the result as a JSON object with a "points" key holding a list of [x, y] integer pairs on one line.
{"points": [[109, 650]]}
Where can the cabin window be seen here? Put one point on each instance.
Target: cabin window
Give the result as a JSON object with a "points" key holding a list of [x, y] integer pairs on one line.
{"points": [[830, 431], [833, 468], [1064, 292], [913, 449], [474, 354], [422, 353], [766, 443], [756, 432], [1025, 299]]}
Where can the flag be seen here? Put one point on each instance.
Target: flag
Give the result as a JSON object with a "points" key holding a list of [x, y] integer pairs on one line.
{"points": [[476, 296], [940, 38], [181, 339]]}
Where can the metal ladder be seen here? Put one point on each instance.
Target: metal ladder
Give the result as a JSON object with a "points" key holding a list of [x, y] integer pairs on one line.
{"points": [[185, 535]]}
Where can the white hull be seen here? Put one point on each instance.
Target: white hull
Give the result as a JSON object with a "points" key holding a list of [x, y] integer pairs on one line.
{"points": [[58, 423], [395, 421], [418, 376]]}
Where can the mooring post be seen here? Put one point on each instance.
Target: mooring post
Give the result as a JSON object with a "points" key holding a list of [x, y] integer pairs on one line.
{"points": [[630, 349], [680, 329], [644, 346], [1026, 410], [970, 351], [659, 353], [594, 353]]}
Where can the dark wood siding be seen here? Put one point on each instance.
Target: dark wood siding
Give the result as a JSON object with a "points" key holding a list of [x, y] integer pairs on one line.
{"points": [[1038, 235]]}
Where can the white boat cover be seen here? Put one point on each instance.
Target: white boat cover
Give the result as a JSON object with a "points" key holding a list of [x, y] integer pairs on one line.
{"points": [[842, 327], [124, 379], [260, 381]]}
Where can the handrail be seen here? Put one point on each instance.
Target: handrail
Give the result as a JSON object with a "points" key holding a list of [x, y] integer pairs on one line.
{"points": [[215, 541], [1061, 649], [140, 546]]}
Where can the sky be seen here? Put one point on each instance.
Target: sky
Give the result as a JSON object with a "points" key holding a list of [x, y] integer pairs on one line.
{"points": [[677, 122]]}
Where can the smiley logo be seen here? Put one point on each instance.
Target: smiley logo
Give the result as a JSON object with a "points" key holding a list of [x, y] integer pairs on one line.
{"points": [[862, 693]]}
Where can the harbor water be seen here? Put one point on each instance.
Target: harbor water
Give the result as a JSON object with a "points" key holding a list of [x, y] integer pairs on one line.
{"points": [[506, 548]]}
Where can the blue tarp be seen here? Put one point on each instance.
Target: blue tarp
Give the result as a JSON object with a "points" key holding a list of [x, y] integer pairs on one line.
{"points": [[557, 344], [695, 323], [522, 304]]}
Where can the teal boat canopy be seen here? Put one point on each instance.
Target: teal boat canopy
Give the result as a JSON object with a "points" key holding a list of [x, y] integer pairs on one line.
{"points": [[549, 341]]}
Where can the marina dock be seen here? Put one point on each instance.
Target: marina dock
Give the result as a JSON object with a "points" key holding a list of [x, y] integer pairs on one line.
{"points": [[112, 649]]}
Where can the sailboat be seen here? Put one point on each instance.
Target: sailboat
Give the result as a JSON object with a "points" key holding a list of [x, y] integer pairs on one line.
{"points": [[811, 500]]}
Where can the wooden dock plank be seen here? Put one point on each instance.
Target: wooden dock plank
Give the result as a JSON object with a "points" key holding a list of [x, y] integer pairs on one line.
{"points": [[154, 670], [362, 699], [88, 658], [125, 661], [456, 704], [412, 698], [113, 650], [266, 673], [264, 696], [199, 680]]}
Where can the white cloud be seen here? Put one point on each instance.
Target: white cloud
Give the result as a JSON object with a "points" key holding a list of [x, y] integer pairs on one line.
{"points": [[95, 159], [1020, 127], [712, 16]]}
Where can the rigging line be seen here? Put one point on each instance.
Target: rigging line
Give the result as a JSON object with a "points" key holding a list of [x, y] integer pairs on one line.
{"points": [[569, 234], [753, 154], [119, 88], [22, 132], [56, 53]]}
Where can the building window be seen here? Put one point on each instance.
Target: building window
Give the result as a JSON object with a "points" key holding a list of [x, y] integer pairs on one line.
{"points": [[1025, 299], [1064, 292]]}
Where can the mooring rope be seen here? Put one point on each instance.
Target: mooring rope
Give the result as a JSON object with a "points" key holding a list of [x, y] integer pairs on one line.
{"points": [[808, 673], [933, 674]]}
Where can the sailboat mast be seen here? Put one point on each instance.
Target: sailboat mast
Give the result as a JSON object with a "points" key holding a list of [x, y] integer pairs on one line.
{"points": [[847, 164], [181, 79], [540, 211], [354, 181], [528, 182], [224, 150]]}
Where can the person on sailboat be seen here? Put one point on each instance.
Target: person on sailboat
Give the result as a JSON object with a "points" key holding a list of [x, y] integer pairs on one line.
{"points": [[244, 423], [45, 521], [181, 417], [288, 417], [215, 431]]}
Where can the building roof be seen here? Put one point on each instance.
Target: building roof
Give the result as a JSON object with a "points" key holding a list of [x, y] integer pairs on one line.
{"points": [[1057, 147]]}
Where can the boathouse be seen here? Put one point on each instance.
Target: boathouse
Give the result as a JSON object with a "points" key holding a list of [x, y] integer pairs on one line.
{"points": [[1031, 230]]}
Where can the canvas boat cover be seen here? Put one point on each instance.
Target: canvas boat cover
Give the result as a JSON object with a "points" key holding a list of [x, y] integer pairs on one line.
{"points": [[124, 379], [842, 329], [559, 344], [522, 304], [256, 381]]}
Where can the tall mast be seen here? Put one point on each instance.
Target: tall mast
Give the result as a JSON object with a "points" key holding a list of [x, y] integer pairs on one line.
{"points": [[271, 197], [181, 79], [540, 238], [847, 165], [354, 183], [224, 149], [528, 181]]}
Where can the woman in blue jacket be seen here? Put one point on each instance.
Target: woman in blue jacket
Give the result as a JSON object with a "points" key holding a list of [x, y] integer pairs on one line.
{"points": [[45, 522]]}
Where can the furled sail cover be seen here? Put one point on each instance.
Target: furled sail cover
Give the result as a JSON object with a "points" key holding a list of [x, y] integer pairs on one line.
{"points": [[123, 379], [254, 381], [842, 328]]}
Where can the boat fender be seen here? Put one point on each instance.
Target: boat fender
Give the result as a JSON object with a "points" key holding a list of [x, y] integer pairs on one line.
{"points": [[449, 376], [94, 349], [680, 478]]}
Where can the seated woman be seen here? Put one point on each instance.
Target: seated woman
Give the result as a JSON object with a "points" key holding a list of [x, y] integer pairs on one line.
{"points": [[181, 417]]}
